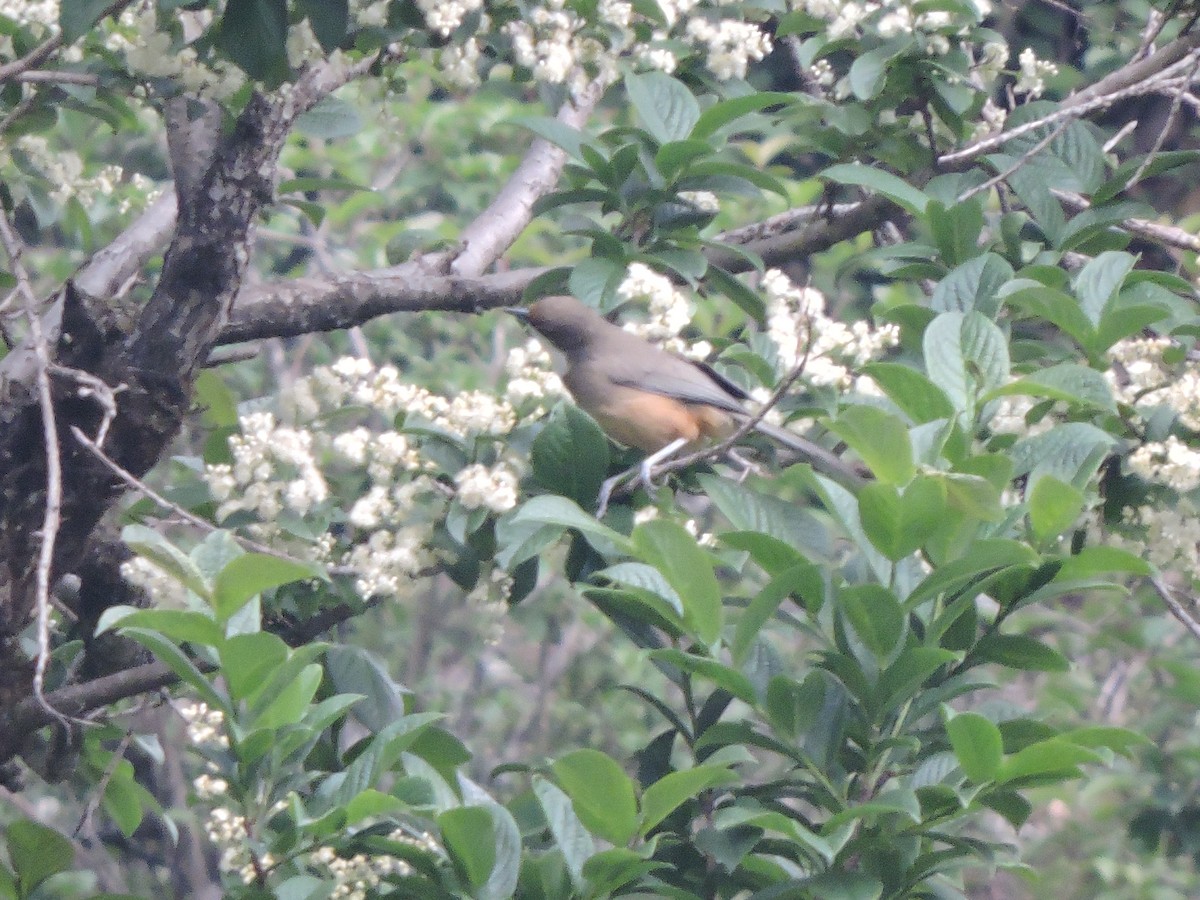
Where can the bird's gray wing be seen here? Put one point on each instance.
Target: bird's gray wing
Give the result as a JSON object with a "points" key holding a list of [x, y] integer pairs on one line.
{"points": [[672, 376]]}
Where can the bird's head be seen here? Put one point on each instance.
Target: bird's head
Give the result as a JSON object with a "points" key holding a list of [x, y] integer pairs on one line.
{"points": [[564, 321]]}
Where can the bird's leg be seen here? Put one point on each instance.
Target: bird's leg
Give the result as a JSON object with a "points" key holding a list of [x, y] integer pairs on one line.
{"points": [[645, 474], [646, 470], [746, 465]]}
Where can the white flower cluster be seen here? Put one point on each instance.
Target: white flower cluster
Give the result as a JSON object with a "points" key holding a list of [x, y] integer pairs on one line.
{"points": [[1170, 462], [731, 45], [1009, 417], [150, 51], [487, 487], [1167, 536], [389, 560], [892, 18], [41, 13], [670, 310], [1034, 71], [160, 587], [357, 876], [1140, 377], [531, 378], [490, 598], [800, 330], [357, 381], [273, 469], [64, 169], [443, 16], [228, 831], [549, 41], [204, 725], [208, 786], [704, 201]]}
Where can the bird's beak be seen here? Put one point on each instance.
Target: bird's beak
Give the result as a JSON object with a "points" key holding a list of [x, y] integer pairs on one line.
{"points": [[519, 311]]}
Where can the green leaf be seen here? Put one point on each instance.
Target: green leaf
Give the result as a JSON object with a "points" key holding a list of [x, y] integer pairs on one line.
{"points": [[754, 511], [247, 661], [885, 183], [468, 835], [1051, 757], [667, 108], [795, 708], [572, 838], [868, 73], [557, 133], [1054, 506], [602, 794], [1019, 651], [875, 615], [803, 581], [251, 574], [36, 852], [1099, 281], [723, 112], [153, 546], [570, 455], [880, 439], [974, 285], [674, 789], [174, 659], [965, 355], [253, 33], [123, 799], [675, 155], [977, 745], [76, 17], [897, 524], [355, 670], [291, 703], [731, 680], [330, 119], [1071, 452], [561, 512], [595, 280], [918, 397], [1069, 382], [177, 624], [688, 569], [329, 20], [1099, 559], [1060, 309]]}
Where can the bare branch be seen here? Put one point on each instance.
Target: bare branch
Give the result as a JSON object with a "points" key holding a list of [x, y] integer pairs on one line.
{"points": [[494, 230], [52, 510], [1176, 608], [1170, 235], [47, 76], [1136, 79]]}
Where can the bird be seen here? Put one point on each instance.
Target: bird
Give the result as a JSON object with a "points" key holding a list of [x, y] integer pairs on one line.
{"points": [[648, 398]]}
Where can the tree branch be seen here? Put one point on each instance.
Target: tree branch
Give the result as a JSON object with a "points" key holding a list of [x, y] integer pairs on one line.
{"points": [[495, 229]]}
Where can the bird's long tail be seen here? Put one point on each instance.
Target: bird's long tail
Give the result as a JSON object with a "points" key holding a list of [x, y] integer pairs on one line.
{"points": [[823, 460]]}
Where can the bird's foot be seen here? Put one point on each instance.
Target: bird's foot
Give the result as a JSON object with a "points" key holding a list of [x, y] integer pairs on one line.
{"points": [[746, 467]]}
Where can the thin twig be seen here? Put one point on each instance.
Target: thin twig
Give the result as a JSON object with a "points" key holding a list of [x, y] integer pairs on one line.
{"points": [[102, 785], [138, 485], [1075, 108], [1169, 235], [91, 386], [1176, 608], [52, 516], [48, 76], [1011, 170], [1172, 117]]}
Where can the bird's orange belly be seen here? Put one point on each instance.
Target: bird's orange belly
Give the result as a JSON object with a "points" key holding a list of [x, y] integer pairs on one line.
{"points": [[650, 422]]}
